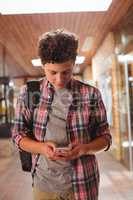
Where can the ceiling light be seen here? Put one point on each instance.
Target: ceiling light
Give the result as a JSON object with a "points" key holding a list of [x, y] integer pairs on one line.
{"points": [[130, 78], [125, 58], [127, 143], [52, 6], [79, 59], [36, 62], [11, 83]]}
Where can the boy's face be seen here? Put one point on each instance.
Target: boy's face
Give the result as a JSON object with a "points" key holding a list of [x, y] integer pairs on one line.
{"points": [[59, 74]]}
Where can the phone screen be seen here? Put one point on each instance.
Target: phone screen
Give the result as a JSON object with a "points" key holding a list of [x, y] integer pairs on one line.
{"points": [[62, 149]]}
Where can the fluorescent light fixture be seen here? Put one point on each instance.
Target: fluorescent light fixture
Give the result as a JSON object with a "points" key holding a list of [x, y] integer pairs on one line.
{"points": [[127, 144], [36, 62], [52, 6], [11, 83], [125, 58], [79, 59], [130, 78]]}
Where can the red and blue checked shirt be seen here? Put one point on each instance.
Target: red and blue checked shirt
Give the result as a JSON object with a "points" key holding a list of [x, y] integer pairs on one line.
{"points": [[86, 120]]}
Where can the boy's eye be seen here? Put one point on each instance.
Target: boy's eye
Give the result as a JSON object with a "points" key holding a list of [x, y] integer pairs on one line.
{"points": [[66, 72], [63, 73], [53, 73]]}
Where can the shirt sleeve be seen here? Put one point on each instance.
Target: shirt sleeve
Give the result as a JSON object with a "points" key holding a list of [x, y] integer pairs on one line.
{"points": [[22, 118], [101, 124]]}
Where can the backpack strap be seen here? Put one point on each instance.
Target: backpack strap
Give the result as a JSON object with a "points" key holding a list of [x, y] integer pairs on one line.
{"points": [[33, 93], [32, 100]]}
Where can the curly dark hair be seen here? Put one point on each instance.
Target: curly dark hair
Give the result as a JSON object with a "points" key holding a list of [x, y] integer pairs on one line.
{"points": [[57, 46]]}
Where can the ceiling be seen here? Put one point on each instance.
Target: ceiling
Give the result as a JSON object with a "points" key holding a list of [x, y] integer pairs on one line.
{"points": [[19, 35], [124, 33]]}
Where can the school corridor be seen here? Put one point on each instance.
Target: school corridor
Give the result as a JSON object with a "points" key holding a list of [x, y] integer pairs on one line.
{"points": [[104, 60]]}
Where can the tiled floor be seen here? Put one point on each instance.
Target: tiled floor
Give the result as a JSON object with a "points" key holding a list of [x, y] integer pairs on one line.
{"points": [[116, 182]]}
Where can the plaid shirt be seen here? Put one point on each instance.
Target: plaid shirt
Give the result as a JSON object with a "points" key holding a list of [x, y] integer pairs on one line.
{"points": [[86, 121]]}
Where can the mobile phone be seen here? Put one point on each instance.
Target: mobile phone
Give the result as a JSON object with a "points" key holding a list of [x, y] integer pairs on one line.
{"points": [[62, 149]]}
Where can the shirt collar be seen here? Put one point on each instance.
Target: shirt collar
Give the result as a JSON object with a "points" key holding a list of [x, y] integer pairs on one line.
{"points": [[69, 86]]}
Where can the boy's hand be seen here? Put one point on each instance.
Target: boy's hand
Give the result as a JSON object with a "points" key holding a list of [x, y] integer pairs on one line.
{"points": [[48, 149], [76, 151]]}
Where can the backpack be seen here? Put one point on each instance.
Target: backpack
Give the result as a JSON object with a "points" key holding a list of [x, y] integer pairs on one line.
{"points": [[32, 100]]}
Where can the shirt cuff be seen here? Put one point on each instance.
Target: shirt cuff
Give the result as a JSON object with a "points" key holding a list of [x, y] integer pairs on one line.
{"points": [[109, 140], [17, 141]]}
